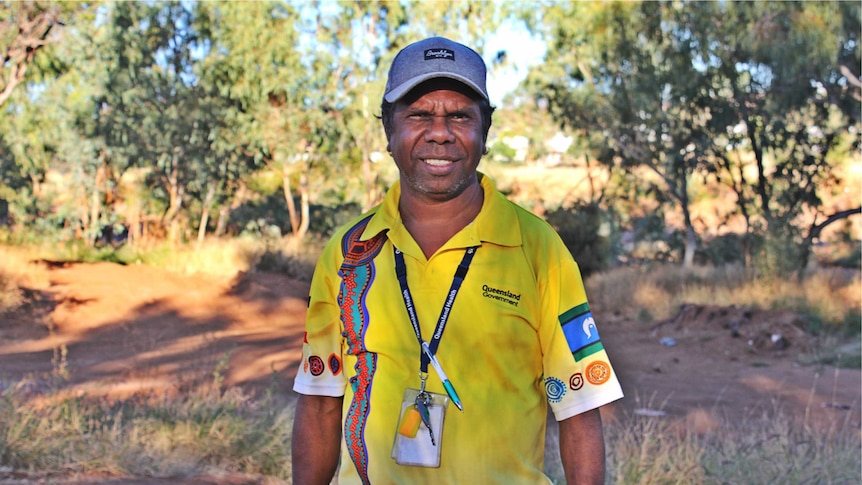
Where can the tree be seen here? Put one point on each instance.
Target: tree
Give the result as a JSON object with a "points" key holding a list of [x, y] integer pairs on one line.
{"points": [[784, 105], [678, 87], [626, 71], [152, 117], [25, 28], [270, 84], [34, 123]]}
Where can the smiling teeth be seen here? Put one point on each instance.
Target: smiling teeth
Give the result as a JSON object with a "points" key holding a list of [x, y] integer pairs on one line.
{"points": [[437, 163]]}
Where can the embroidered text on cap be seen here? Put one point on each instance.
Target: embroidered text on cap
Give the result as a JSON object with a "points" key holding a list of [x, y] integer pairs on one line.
{"points": [[431, 54]]}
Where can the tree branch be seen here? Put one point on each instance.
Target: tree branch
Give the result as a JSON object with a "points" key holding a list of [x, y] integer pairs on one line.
{"points": [[816, 229]]}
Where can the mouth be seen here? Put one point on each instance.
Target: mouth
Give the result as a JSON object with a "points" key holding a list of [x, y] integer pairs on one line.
{"points": [[437, 162]]}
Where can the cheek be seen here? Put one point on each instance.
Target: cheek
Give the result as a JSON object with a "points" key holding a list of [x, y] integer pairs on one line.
{"points": [[475, 142]]}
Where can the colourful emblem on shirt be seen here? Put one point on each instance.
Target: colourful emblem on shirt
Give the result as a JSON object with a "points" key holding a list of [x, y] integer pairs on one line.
{"points": [[598, 372], [581, 332], [335, 364], [315, 365], [555, 389], [576, 381], [357, 274]]}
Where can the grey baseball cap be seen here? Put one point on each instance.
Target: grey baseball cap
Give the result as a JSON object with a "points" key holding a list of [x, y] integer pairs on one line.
{"points": [[433, 58]]}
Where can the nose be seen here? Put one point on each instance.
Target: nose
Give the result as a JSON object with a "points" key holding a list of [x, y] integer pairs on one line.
{"points": [[439, 131]]}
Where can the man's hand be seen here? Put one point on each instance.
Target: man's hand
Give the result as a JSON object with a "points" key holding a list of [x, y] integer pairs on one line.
{"points": [[316, 440]]}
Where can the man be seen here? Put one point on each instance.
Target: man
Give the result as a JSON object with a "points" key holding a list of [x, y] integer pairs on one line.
{"points": [[443, 322]]}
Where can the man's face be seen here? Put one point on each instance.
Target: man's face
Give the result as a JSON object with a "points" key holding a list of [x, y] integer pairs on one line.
{"points": [[437, 140]]}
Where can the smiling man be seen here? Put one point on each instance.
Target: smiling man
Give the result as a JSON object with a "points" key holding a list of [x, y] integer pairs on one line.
{"points": [[445, 322]]}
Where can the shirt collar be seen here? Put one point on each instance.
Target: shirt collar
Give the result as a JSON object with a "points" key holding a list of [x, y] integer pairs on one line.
{"points": [[497, 222]]}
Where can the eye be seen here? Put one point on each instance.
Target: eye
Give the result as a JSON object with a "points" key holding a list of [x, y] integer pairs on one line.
{"points": [[462, 117], [417, 116]]}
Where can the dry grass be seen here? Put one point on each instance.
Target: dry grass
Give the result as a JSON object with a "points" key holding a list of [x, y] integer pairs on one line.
{"points": [[764, 447], [656, 292], [204, 430], [209, 430], [18, 271]]}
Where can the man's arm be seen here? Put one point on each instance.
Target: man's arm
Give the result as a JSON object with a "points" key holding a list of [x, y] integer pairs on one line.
{"points": [[582, 449], [316, 440]]}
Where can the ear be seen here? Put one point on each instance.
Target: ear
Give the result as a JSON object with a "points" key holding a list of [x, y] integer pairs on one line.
{"points": [[387, 130]]}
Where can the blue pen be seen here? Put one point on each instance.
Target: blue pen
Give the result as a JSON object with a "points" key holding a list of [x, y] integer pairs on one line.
{"points": [[450, 389]]}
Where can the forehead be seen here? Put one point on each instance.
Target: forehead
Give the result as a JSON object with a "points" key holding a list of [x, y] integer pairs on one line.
{"points": [[441, 89]]}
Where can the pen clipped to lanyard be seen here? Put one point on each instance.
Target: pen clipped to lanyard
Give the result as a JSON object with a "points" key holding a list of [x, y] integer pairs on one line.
{"points": [[450, 389]]}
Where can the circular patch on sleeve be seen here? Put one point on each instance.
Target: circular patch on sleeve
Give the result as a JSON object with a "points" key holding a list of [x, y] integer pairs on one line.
{"points": [[315, 365], [598, 372], [576, 381], [335, 364], [555, 389]]}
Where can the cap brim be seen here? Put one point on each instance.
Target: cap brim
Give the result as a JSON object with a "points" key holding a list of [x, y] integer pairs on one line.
{"points": [[407, 86]]}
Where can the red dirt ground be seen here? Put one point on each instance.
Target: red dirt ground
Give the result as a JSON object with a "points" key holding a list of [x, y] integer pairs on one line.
{"points": [[117, 330]]}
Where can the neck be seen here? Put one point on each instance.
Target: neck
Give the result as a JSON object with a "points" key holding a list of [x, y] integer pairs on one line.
{"points": [[432, 223]]}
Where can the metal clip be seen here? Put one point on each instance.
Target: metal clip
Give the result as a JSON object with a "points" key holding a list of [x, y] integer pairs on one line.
{"points": [[422, 402]]}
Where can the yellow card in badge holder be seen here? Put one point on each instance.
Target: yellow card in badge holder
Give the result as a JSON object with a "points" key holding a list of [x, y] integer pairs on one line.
{"points": [[410, 423], [412, 445]]}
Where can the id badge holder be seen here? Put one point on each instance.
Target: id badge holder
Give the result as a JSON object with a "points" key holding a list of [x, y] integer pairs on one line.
{"points": [[414, 444]]}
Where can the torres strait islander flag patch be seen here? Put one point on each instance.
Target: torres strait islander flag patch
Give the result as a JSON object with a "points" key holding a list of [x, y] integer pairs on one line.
{"points": [[581, 332]]}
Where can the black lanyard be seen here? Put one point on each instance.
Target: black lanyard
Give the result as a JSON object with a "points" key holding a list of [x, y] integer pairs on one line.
{"points": [[460, 273]]}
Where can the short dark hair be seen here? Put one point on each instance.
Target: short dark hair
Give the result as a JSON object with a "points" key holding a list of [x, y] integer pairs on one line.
{"points": [[387, 109]]}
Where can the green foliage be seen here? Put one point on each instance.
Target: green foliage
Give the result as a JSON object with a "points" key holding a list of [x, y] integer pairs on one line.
{"points": [[580, 228], [779, 256], [728, 249], [169, 115], [329, 218], [500, 152], [678, 92]]}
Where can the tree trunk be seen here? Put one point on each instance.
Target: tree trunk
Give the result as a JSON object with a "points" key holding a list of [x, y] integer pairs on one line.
{"points": [[223, 213], [202, 229], [762, 186], [175, 192], [205, 213], [303, 194], [690, 238], [95, 198], [738, 186], [134, 227], [288, 198]]}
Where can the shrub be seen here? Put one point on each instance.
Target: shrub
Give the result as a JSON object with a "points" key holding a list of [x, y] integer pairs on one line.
{"points": [[580, 228]]}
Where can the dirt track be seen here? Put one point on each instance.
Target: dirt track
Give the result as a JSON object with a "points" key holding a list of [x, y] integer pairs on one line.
{"points": [[121, 329], [116, 330]]}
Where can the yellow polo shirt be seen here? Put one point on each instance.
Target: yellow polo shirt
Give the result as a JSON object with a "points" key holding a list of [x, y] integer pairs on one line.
{"points": [[520, 336]]}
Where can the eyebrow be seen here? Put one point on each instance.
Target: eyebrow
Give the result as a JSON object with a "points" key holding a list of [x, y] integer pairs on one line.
{"points": [[418, 111], [426, 112]]}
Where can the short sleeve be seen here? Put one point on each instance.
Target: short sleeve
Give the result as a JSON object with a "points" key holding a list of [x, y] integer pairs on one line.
{"points": [[321, 370], [578, 376]]}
